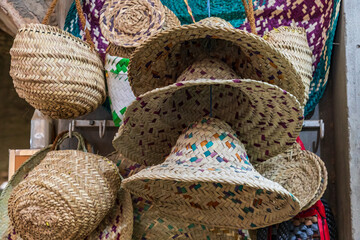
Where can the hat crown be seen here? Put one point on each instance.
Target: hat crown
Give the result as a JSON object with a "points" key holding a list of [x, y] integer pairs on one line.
{"points": [[215, 22], [207, 143], [207, 68]]}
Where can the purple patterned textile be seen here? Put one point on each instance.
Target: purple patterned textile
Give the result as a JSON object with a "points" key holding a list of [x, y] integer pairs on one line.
{"points": [[312, 15], [92, 10]]}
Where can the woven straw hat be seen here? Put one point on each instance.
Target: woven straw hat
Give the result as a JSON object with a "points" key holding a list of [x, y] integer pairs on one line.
{"points": [[266, 118], [292, 42], [149, 223], [297, 171], [66, 194], [55, 72], [208, 179], [323, 183], [129, 23], [160, 60]]}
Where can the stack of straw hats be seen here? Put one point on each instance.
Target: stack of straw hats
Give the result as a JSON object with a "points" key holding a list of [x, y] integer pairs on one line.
{"points": [[206, 143]]}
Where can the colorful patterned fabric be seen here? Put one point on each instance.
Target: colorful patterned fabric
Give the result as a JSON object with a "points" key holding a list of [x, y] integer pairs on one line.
{"points": [[119, 90], [72, 21], [319, 18], [91, 9]]}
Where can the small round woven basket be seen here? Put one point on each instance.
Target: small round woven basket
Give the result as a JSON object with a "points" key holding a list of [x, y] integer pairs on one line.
{"points": [[55, 72], [297, 171], [65, 196], [128, 23], [118, 50]]}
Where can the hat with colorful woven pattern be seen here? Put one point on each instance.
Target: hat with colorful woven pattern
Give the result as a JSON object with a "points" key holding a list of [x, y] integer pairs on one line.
{"points": [[208, 179], [266, 118]]}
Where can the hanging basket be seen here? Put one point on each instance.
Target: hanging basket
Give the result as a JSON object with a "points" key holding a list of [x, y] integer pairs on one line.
{"points": [[55, 72]]}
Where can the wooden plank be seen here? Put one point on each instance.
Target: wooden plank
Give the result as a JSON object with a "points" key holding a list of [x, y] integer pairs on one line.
{"points": [[17, 157]]}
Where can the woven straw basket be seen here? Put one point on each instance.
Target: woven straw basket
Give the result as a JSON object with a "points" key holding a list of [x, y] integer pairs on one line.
{"points": [[119, 50], [297, 171], [55, 72], [292, 42], [65, 196]]}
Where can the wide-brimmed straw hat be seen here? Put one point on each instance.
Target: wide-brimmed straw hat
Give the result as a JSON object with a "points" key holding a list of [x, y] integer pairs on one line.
{"points": [[160, 60], [297, 171], [59, 194], [208, 179], [149, 223], [267, 119]]}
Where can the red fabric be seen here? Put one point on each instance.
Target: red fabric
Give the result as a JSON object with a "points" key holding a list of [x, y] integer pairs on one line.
{"points": [[318, 210], [298, 140]]}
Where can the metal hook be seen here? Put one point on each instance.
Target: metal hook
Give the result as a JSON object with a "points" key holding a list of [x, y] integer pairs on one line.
{"points": [[320, 135], [71, 128], [102, 125]]}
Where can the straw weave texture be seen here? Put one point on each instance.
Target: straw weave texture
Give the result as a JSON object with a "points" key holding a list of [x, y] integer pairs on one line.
{"points": [[208, 179], [323, 183], [170, 21], [56, 72], [292, 42], [65, 197], [266, 118], [128, 23], [161, 59], [150, 224], [296, 170]]}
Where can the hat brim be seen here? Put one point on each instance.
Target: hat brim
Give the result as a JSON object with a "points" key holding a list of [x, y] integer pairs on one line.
{"points": [[266, 118], [323, 182], [160, 60], [298, 172], [225, 198]]}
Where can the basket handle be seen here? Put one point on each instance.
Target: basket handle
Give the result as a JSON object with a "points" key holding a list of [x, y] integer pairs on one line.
{"points": [[64, 135], [81, 17], [249, 11]]}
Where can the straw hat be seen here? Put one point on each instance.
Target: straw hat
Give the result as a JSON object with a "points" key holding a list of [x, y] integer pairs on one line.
{"points": [[266, 118], [323, 182], [297, 171], [292, 42], [65, 195], [129, 23], [160, 60], [149, 223], [208, 179]]}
